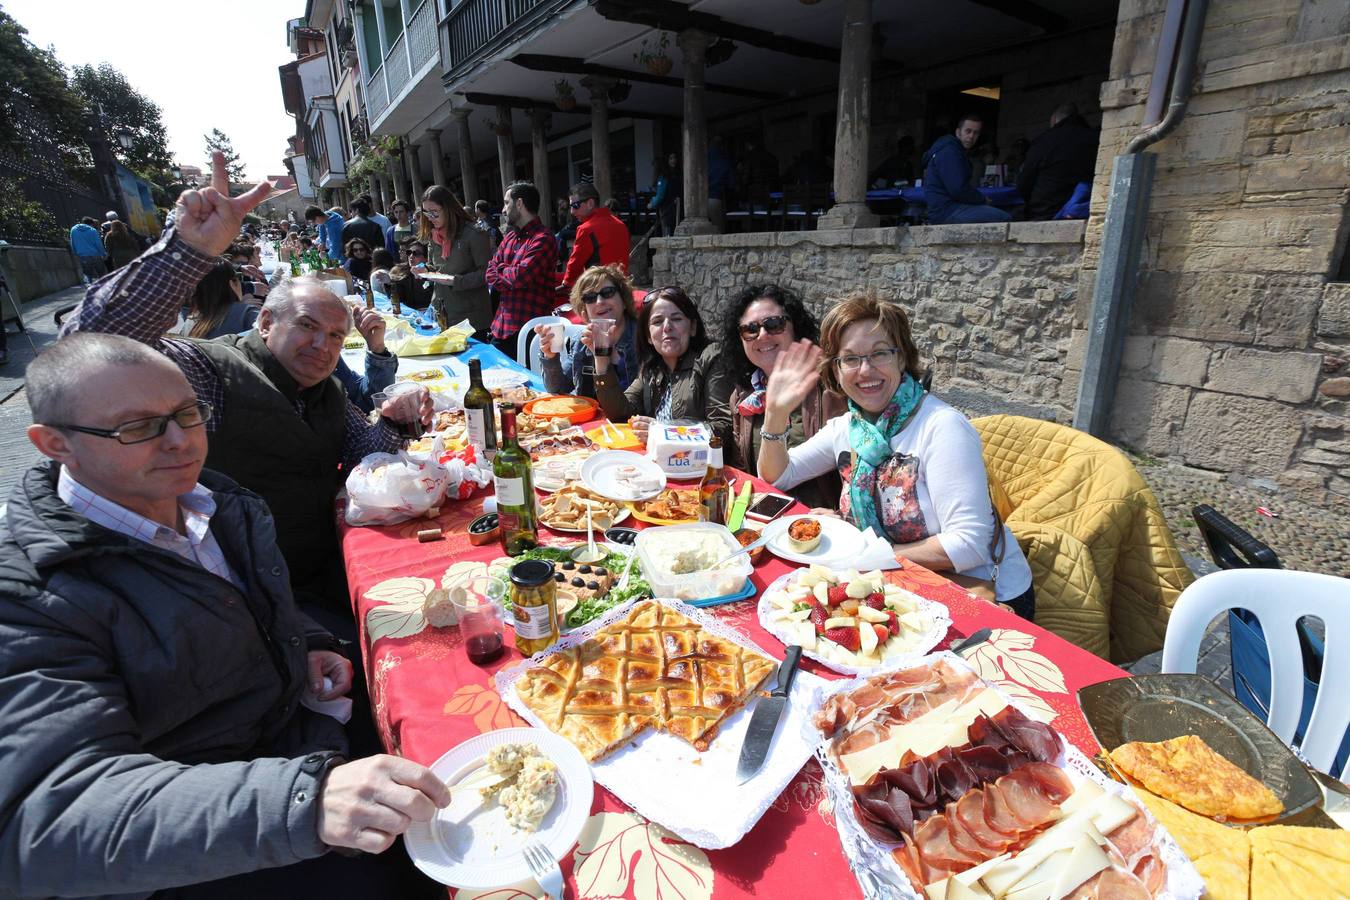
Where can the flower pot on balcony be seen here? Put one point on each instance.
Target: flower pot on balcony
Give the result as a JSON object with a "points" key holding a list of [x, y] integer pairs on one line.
{"points": [[563, 97], [620, 91], [565, 104], [659, 65]]}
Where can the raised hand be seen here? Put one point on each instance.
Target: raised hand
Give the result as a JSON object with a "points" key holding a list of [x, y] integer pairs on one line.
{"points": [[794, 377], [372, 326], [208, 220]]}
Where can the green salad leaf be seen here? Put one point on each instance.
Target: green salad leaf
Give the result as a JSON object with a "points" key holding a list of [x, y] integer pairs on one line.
{"points": [[589, 609]]}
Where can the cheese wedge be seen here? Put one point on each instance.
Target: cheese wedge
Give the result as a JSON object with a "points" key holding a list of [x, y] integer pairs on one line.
{"points": [[946, 726]]}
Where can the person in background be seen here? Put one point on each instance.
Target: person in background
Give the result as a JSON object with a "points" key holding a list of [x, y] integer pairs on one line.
{"points": [[680, 373], [761, 323], [457, 249], [898, 167], [602, 292], [666, 192], [158, 684], [400, 229], [947, 179], [602, 240], [120, 246], [523, 271], [721, 181], [912, 466], [361, 226], [358, 264], [487, 221], [408, 290], [381, 261], [381, 366], [375, 215], [87, 244], [1057, 162], [247, 259], [329, 227], [217, 305], [292, 245]]}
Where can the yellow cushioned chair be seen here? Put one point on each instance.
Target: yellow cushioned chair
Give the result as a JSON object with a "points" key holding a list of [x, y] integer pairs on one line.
{"points": [[1103, 561]]}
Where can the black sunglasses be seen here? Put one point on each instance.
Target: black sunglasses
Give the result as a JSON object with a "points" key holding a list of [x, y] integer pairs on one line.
{"points": [[771, 324], [607, 292], [577, 204]]}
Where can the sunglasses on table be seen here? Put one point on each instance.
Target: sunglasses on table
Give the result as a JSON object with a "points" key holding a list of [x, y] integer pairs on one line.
{"points": [[138, 431], [771, 324], [878, 358], [607, 292]]}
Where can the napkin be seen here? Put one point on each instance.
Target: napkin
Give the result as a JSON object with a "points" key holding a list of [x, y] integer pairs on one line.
{"points": [[339, 708], [877, 553]]}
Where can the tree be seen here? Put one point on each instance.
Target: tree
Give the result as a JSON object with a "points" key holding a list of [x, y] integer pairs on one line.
{"points": [[34, 94], [125, 111], [218, 140]]}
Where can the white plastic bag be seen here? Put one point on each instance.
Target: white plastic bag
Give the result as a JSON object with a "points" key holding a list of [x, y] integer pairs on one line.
{"points": [[387, 488]]}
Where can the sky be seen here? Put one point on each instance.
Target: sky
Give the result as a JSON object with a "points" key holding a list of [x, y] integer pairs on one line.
{"points": [[206, 64]]}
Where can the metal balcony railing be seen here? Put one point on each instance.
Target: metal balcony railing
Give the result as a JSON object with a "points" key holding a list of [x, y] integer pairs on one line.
{"points": [[396, 66], [474, 26], [422, 35], [377, 94]]}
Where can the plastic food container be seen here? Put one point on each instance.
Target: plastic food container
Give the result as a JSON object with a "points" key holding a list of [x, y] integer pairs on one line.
{"points": [[657, 549]]}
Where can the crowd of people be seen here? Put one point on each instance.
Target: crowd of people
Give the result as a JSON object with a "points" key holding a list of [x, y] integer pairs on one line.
{"points": [[177, 621]]}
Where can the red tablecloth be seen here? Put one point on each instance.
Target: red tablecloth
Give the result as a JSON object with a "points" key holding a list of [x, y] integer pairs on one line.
{"points": [[427, 697]]}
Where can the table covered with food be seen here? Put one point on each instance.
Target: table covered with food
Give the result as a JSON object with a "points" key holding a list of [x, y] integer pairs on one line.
{"points": [[669, 715]]}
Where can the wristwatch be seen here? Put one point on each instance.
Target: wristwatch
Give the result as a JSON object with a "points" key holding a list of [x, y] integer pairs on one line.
{"points": [[780, 436]]}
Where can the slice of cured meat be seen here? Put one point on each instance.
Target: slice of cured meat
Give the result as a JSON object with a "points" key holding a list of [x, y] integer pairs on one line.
{"points": [[961, 838], [1034, 792], [998, 816], [933, 838], [970, 812]]}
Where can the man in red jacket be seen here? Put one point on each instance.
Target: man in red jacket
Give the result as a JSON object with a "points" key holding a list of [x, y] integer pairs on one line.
{"points": [[601, 238]]}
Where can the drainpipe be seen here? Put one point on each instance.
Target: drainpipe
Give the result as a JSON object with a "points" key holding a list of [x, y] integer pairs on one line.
{"points": [[1127, 208]]}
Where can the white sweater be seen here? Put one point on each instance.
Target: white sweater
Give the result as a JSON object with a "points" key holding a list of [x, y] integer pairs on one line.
{"points": [[953, 488]]}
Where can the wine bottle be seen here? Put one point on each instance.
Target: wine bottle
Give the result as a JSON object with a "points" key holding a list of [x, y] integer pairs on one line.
{"points": [[479, 416], [514, 483], [713, 491]]}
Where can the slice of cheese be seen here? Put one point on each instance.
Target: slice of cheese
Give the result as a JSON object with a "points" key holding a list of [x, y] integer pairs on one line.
{"points": [[937, 890], [1086, 860], [946, 726], [972, 875], [958, 891]]}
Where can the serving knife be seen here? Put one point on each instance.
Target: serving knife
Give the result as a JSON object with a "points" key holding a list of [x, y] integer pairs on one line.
{"points": [[764, 721]]}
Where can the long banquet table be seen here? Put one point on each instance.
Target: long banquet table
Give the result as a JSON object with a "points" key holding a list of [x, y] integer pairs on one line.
{"points": [[427, 697]]}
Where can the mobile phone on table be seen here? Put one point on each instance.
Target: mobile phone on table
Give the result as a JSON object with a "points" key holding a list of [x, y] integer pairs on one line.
{"points": [[768, 507]]}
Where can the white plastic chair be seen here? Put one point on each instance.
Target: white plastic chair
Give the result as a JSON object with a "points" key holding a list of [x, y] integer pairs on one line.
{"points": [[1278, 598], [570, 330], [527, 332]]}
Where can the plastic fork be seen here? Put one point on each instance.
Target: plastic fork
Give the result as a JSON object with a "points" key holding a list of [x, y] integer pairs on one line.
{"points": [[545, 869]]}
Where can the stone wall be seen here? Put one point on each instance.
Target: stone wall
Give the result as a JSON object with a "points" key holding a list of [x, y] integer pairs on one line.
{"points": [[1240, 334], [992, 304], [34, 272]]}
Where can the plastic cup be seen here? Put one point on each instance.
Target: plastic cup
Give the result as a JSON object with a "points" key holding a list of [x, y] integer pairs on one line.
{"points": [[480, 624], [601, 331], [557, 333], [409, 430]]}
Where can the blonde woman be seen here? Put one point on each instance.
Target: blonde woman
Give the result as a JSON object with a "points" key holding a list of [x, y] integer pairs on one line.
{"points": [[602, 292]]}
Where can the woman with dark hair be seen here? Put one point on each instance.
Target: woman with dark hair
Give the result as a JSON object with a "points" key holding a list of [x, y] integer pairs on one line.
{"points": [[217, 305], [762, 322], [458, 249], [357, 263], [680, 374], [122, 248]]}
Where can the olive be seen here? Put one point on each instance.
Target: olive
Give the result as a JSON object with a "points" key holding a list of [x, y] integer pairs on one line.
{"points": [[569, 565], [578, 582], [600, 570], [593, 585], [559, 577], [585, 570]]}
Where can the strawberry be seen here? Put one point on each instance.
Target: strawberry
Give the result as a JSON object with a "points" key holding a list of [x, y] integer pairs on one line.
{"points": [[883, 633], [846, 637], [875, 600], [892, 622], [837, 594], [817, 618], [810, 600]]}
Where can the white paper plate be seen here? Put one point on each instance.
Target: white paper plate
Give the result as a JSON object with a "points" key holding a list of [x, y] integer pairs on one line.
{"points": [[438, 277], [600, 474], [839, 543], [482, 850]]}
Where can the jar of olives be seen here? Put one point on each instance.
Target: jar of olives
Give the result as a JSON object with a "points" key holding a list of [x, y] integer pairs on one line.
{"points": [[534, 602]]}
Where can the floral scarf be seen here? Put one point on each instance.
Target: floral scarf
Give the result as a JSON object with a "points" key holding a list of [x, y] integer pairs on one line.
{"points": [[871, 445], [753, 404]]}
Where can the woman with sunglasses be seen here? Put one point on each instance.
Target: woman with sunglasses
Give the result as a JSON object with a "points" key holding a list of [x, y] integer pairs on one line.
{"points": [[680, 373], [600, 293], [763, 321], [458, 249], [911, 466], [357, 263]]}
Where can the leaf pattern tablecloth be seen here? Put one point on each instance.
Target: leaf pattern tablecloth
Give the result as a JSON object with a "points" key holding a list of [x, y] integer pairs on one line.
{"points": [[427, 697]]}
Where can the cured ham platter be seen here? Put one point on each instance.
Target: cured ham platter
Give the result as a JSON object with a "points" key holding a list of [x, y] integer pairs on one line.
{"points": [[944, 789]]}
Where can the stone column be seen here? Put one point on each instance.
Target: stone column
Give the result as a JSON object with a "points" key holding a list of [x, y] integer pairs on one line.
{"points": [[506, 146], [437, 157], [539, 122], [386, 189], [412, 158], [600, 167], [400, 185], [466, 171], [694, 44], [853, 122], [377, 194]]}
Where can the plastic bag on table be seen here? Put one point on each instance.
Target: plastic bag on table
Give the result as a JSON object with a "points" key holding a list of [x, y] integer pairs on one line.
{"points": [[388, 488], [470, 472], [454, 339]]}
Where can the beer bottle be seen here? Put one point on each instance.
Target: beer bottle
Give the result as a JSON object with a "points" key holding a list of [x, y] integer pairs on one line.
{"points": [[515, 490], [370, 295], [713, 491], [479, 416]]}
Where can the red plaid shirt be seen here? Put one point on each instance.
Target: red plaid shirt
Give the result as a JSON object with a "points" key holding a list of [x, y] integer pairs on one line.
{"points": [[524, 271]]}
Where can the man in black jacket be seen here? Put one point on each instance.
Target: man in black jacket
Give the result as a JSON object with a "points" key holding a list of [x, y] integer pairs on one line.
{"points": [[1057, 161]]}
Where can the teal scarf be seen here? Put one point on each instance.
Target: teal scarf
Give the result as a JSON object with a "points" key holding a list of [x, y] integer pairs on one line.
{"points": [[871, 445]]}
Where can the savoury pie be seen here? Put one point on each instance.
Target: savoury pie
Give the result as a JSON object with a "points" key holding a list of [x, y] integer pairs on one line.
{"points": [[652, 668]]}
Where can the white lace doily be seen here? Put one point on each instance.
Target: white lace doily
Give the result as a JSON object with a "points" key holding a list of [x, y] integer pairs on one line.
{"points": [[922, 643], [696, 795], [880, 877]]}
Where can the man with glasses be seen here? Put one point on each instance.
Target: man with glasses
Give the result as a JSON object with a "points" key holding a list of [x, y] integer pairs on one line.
{"points": [[602, 240], [167, 710], [523, 271], [283, 426]]}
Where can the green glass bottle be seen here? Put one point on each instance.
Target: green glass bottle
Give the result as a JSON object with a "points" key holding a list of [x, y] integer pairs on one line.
{"points": [[514, 484], [479, 416]]}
